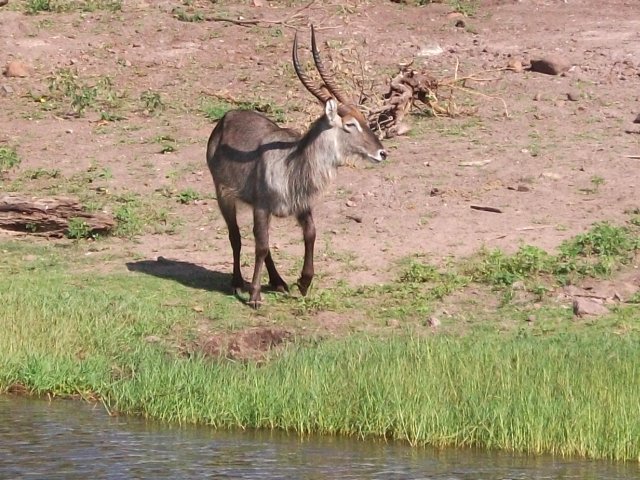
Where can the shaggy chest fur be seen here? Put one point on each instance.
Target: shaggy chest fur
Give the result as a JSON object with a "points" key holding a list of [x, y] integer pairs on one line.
{"points": [[293, 186]]}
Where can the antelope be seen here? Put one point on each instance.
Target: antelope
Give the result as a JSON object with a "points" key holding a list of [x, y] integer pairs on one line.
{"points": [[280, 172]]}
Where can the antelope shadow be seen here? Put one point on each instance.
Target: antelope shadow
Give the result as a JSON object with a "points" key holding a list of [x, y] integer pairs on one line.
{"points": [[187, 273]]}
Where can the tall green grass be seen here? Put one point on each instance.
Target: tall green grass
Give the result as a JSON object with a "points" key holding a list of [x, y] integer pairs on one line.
{"points": [[569, 395]]}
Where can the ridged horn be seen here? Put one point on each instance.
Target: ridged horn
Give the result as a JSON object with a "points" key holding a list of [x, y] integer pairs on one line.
{"points": [[327, 78], [319, 93]]}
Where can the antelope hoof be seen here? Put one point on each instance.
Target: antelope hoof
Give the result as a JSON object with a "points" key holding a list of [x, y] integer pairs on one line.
{"points": [[303, 286], [255, 304], [255, 299], [240, 287], [279, 286], [237, 291]]}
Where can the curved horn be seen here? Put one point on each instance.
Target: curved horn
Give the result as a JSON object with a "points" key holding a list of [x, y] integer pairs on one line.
{"points": [[327, 78], [319, 93]]}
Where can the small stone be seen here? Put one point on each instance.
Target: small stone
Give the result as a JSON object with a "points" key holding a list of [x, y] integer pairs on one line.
{"points": [[531, 318], [588, 307], [637, 120], [460, 23], [551, 175], [515, 65], [350, 203], [573, 96], [258, 3], [402, 128], [523, 188], [16, 68], [537, 97], [6, 90], [3, 2], [550, 65], [431, 50]]}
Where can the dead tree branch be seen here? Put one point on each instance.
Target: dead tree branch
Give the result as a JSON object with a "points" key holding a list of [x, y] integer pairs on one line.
{"points": [[419, 89]]}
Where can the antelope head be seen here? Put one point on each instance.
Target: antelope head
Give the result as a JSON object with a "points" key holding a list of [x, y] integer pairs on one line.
{"points": [[355, 138]]}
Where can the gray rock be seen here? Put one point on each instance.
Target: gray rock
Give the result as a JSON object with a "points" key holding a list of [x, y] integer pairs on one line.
{"points": [[550, 65], [433, 321], [573, 96], [591, 307]]}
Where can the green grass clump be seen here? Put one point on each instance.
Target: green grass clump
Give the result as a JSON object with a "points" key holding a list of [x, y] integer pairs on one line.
{"points": [[214, 109], [595, 253], [34, 7], [78, 228], [188, 195], [598, 251], [497, 268], [136, 215], [184, 16], [8, 159], [468, 8], [68, 90], [152, 101]]}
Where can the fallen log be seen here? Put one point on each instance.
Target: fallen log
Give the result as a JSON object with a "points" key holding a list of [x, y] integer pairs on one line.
{"points": [[52, 216]]}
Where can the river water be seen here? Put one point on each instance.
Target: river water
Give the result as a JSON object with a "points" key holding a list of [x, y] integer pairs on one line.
{"points": [[74, 440]]}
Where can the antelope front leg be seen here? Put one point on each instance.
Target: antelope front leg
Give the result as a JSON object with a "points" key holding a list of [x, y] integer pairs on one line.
{"points": [[309, 233], [261, 234]]}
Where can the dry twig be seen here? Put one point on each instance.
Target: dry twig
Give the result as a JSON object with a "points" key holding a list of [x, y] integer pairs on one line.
{"points": [[264, 23]]}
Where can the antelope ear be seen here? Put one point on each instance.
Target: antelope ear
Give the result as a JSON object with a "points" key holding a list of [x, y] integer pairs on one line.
{"points": [[331, 110]]}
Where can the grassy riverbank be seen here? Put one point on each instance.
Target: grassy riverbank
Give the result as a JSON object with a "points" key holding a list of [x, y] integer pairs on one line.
{"points": [[485, 378], [569, 395]]}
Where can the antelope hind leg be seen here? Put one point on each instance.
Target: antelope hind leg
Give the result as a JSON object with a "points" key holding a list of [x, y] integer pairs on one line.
{"points": [[261, 220], [228, 210], [275, 280]]}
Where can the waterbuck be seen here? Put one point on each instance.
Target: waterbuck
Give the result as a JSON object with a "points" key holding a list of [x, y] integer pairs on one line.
{"points": [[280, 172]]}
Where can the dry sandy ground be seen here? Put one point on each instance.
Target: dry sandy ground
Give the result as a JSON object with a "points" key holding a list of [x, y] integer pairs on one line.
{"points": [[553, 166]]}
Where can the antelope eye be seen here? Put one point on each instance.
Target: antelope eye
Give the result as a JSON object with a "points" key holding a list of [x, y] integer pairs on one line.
{"points": [[350, 126]]}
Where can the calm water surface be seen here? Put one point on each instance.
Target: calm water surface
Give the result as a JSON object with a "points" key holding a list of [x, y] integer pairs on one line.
{"points": [[73, 440]]}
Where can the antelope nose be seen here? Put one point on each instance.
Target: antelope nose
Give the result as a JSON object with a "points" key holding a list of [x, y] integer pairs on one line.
{"points": [[382, 154]]}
